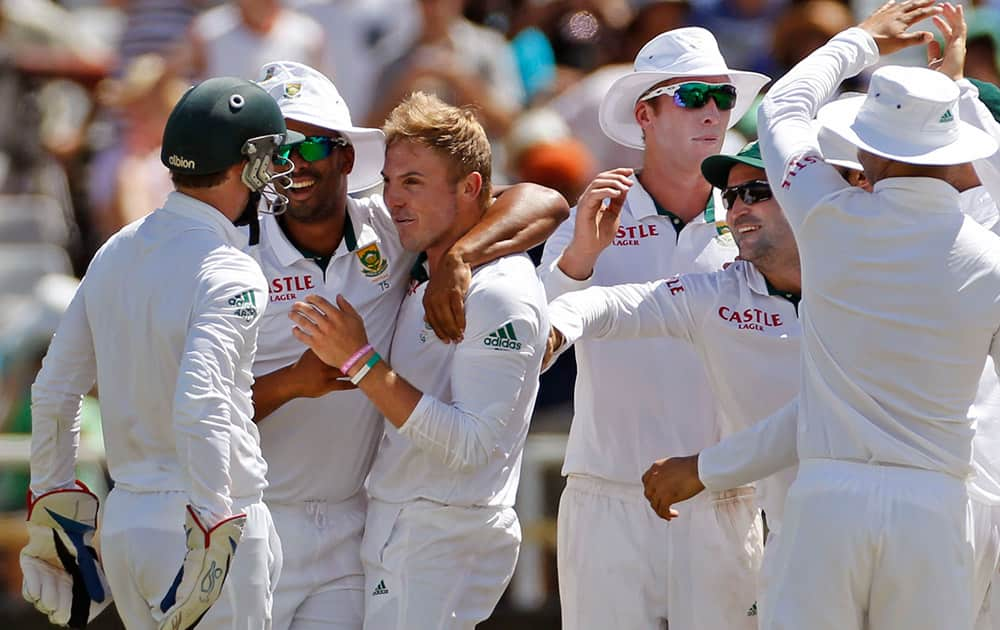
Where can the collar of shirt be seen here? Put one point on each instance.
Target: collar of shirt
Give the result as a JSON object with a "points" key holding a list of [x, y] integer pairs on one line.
{"points": [[930, 194], [358, 234], [180, 204], [641, 204], [759, 284]]}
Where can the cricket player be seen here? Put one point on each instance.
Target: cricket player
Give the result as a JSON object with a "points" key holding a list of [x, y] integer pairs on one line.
{"points": [[165, 323], [441, 537], [899, 313], [318, 439], [619, 565]]}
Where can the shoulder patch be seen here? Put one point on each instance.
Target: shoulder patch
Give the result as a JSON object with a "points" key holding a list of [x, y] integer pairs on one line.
{"points": [[503, 338], [244, 305]]}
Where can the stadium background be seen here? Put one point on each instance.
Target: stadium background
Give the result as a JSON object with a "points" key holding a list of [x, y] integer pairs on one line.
{"points": [[86, 85]]}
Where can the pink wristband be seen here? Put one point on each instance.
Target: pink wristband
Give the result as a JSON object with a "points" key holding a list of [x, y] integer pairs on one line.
{"points": [[349, 363]]}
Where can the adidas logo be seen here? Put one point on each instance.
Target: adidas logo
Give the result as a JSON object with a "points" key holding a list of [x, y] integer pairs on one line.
{"points": [[503, 338], [946, 116], [380, 589], [752, 612]]}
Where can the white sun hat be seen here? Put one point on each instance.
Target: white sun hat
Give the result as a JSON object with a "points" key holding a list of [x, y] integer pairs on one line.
{"points": [[909, 115], [836, 150], [683, 52], [308, 96]]}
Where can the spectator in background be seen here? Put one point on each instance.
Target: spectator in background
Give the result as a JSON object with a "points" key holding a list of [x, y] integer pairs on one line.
{"points": [[127, 179], [542, 150], [743, 28], [982, 59], [362, 37], [153, 26], [236, 38], [579, 103], [803, 28], [461, 63]]}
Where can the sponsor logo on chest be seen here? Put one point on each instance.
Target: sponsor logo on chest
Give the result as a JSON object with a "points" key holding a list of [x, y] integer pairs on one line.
{"points": [[631, 235], [287, 288], [750, 318]]}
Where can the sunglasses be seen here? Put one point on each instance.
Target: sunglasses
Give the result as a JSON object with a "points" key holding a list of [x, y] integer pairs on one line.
{"points": [[313, 148], [695, 94], [749, 193]]}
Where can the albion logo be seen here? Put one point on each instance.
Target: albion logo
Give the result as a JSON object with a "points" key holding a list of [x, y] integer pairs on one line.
{"points": [[179, 162], [503, 338]]}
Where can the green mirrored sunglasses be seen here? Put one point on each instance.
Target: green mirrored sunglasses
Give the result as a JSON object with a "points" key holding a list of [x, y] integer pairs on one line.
{"points": [[695, 94], [313, 148]]}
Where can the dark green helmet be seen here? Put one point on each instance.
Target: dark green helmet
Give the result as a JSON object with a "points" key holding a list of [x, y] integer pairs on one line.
{"points": [[208, 129]]}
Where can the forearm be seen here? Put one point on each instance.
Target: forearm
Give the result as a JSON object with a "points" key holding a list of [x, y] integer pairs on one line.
{"points": [[391, 394], [459, 439], [753, 453], [521, 218], [273, 390]]}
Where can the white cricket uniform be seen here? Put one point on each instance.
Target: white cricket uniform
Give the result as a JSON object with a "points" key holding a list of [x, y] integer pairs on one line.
{"points": [[319, 450], [637, 401], [442, 538], [165, 322], [899, 312]]}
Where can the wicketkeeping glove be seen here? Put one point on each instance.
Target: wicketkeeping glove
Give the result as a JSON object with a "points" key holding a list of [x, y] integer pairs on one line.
{"points": [[206, 564], [63, 577]]}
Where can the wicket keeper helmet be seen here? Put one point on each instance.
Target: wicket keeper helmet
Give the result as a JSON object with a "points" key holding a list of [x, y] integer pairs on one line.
{"points": [[222, 121]]}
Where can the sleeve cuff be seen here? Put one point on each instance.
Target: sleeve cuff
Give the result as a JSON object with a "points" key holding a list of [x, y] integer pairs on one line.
{"points": [[418, 417], [712, 471], [557, 282]]}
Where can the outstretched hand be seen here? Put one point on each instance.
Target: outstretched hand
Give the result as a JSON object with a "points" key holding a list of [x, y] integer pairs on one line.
{"points": [[950, 58], [889, 24]]}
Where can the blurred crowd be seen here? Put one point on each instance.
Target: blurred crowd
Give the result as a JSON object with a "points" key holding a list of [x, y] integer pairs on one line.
{"points": [[86, 87]]}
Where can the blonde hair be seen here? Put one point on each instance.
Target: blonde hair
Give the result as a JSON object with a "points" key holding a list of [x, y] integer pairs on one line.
{"points": [[453, 132]]}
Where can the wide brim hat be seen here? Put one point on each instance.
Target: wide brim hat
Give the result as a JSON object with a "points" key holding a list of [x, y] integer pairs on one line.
{"points": [[308, 96], [837, 151], [683, 52], [909, 115]]}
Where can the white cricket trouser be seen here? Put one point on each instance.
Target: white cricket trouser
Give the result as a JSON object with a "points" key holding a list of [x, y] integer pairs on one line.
{"points": [[986, 541], [322, 582], [622, 566], [436, 567], [872, 547], [143, 547]]}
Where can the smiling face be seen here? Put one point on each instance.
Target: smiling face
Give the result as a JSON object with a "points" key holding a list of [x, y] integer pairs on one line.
{"points": [[761, 230], [319, 189], [681, 134]]}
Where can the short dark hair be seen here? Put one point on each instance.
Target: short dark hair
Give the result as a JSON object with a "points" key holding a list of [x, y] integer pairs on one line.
{"points": [[189, 180]]}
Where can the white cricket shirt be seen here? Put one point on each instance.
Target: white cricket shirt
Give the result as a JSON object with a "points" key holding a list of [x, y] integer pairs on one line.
{"points": [[166, 323], [322, 448], [637, 401], [746, 335], [462, 444], [901, 291]]}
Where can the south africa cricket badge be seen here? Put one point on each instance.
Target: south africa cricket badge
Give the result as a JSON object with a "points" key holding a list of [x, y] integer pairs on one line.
{"points": [[372, 262]]}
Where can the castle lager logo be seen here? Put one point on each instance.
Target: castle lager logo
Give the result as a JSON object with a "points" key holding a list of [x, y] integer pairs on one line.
{"points": [[180, 162], [293, 89]]}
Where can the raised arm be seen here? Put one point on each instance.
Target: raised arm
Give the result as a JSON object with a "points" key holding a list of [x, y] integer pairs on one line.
{"points": [[787, 139], [522, 217]]}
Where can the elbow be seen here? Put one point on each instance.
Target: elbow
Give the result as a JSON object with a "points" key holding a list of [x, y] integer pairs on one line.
{"points": [[471, 456]]}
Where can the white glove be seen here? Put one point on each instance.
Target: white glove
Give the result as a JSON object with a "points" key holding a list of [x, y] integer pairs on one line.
{"points": [[206, 564], [63, 577]]}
